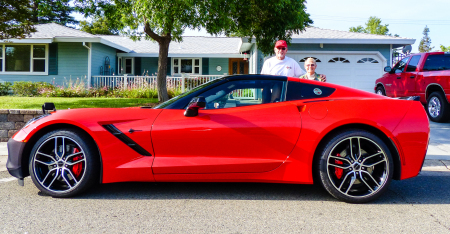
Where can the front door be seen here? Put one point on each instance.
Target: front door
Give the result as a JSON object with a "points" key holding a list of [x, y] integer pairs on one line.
{"points": [[237, 66], [237, 132]]}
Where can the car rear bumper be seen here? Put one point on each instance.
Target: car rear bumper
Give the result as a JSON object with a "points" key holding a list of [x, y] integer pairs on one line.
{"points": [[14, 163]]}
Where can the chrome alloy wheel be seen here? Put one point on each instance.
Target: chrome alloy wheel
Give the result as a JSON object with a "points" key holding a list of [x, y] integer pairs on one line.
{"points": [[434, 107], [357, 167], [379, 92], [59, 164]]}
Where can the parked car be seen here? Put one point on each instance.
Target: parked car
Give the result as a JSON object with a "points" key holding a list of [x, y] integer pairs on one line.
{"points": [[252, 128], [426, 75]]}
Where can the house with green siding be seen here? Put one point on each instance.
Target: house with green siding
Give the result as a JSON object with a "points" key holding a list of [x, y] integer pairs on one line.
{"points": [[57, 54]]}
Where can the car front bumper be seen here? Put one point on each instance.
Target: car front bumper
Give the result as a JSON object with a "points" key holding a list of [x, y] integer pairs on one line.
{"points": [[14, 163]]}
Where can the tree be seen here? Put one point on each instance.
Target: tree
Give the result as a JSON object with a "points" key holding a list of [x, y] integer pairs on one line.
{"points": [[99, 25], [425, 43], [373, 26], [165, 20], [445, 49], [15, 19], [48, 11]]}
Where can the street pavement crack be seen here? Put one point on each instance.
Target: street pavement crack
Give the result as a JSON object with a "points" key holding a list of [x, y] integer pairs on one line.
{"points": [[448, 167], [413, 204]]}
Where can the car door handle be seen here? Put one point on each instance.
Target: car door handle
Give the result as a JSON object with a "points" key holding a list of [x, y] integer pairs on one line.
{"points": [[399, 77], [412, 76]]}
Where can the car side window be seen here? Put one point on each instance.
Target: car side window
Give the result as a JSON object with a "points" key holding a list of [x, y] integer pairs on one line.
{"points": [[400, 66], [412, 65], [437, 62], [299, 91], [245, 93]]}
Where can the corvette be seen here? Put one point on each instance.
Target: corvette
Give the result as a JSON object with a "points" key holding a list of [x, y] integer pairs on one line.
{"points": [[249, 128]]}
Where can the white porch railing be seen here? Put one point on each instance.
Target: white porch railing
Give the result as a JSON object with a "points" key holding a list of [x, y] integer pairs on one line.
{"points": [[183, 83]]}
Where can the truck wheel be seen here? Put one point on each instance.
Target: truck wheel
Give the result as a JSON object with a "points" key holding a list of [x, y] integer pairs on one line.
{"points": [[380, 91], [438, 109]]}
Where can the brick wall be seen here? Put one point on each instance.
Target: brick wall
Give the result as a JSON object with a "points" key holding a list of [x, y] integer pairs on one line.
{"points": [[12, 121]]}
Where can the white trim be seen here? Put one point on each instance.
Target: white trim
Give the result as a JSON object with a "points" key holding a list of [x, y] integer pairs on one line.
{"points": [[31, 72], [26, 41], [114, 45], [377, 53], [352, 41], [89, 75], [67, 39], [124, 66], [390, 55], [200, 64], [156, 55], [77, 39]]}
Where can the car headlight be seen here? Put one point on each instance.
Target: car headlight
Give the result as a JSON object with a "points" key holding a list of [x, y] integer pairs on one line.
{"points": [[35, 119]]}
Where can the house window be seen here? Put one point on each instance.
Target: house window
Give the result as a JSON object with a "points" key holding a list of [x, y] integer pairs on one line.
{"points": [[337, 59], [17, 59], [186, 65], [367, 60], [126, 65], [305, 58]]}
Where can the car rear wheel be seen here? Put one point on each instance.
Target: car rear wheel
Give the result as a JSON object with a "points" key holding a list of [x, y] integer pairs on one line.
{"points": [[355, 166], [438, 108], [380, 91], [63, 163]]}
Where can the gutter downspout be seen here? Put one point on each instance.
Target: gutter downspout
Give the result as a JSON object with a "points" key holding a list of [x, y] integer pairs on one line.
{"points": [[89, 63]]}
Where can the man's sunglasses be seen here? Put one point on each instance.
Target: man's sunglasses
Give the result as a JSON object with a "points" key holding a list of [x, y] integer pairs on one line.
{"points": [[281, 48]]}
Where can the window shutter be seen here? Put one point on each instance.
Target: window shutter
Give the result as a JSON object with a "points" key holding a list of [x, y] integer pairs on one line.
{"points": [[205, 66], [53, 59], [137, 66], [168, 66]]}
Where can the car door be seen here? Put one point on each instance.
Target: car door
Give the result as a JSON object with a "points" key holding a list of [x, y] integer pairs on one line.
{"points": [[410, 75], [245, 127], [398, 79]]}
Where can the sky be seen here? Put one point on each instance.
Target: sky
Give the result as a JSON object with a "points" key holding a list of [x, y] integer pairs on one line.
{"points": [[407, 18]]}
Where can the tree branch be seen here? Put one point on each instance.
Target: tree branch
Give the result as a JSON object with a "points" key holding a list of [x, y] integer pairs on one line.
{"points": [[150, 32]]}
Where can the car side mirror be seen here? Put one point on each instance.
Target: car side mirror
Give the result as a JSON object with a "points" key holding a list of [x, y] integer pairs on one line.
{"points": [[193, 106], [387, 69]]}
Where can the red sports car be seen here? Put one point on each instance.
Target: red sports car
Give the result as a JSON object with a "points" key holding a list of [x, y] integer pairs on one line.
{"points": [[250, 128]]}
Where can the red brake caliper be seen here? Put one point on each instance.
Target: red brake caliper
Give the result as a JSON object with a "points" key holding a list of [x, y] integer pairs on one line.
{"points": [[77, 168], [338, 171]]}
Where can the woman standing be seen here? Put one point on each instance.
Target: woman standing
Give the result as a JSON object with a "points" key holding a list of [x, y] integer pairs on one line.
{"points": [[310, 67]]}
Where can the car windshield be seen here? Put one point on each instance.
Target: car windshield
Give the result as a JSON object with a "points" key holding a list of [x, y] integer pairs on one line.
{"points": [[174, 99]]}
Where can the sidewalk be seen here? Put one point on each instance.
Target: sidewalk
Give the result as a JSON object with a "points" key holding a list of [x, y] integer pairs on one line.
{"points": [[437, 159]]}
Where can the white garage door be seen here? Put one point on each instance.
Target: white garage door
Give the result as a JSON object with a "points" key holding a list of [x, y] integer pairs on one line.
{"points": [[353, 70]]}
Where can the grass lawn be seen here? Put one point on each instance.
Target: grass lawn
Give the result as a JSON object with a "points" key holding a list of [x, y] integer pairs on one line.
{"points": [[11, 102]]}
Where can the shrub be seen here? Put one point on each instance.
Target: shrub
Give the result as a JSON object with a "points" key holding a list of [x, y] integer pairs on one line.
{"points": [[30, 89], [4, 88]]}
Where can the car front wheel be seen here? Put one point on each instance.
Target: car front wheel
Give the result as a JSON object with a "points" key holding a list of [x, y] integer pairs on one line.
{"points": [[380, 91], [63, 163], [355, 166], [438, 108]]}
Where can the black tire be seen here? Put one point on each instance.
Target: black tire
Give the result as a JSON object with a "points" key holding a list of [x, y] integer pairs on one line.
{"points": [[380, 90], [438, 109], [64, 163], [358, 179]]}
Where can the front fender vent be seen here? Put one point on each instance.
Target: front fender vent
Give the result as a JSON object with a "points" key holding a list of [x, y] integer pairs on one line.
{"points": [[125, 139]]}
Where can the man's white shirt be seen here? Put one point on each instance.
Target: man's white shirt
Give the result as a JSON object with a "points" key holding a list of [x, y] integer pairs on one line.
{"points": [[285, 67]]}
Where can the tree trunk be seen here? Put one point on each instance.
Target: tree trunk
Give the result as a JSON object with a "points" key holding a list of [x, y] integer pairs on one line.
{"points": [[161, 83]]}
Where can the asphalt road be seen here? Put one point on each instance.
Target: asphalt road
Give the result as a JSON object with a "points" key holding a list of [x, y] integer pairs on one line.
{"points": [[417, 205]]}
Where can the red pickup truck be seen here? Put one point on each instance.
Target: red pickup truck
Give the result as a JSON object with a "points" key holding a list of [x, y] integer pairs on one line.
{"points": [[424, 74]]}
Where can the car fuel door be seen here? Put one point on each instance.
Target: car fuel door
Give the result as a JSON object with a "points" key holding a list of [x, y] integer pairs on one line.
{"points": [[244, 139]]}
